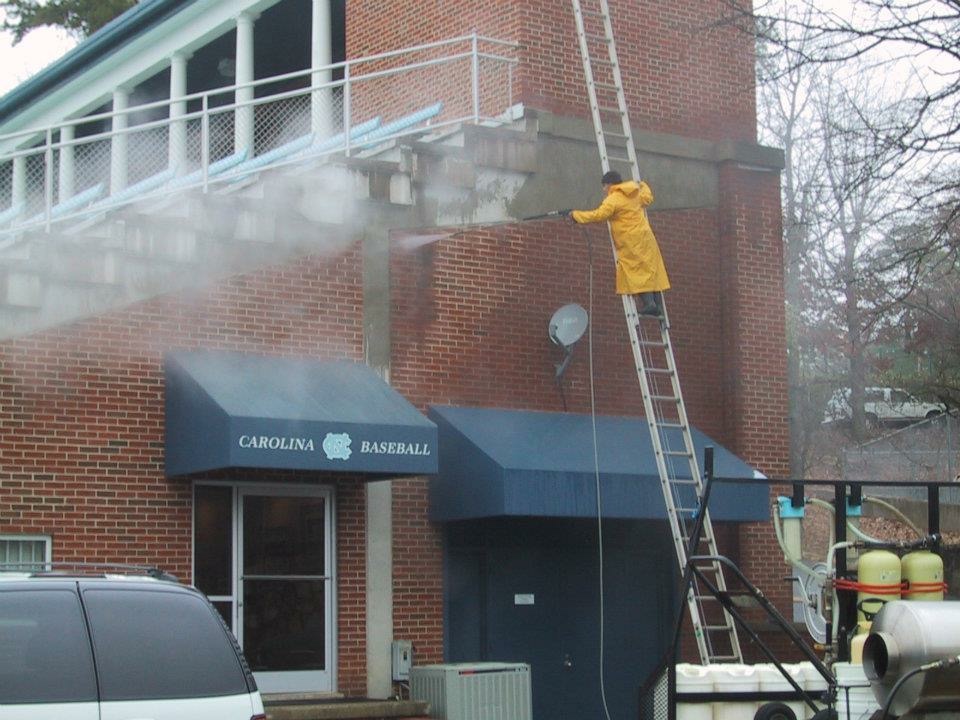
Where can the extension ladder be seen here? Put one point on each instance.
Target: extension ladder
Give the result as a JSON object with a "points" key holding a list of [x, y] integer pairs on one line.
{"points": [[714, 629]]}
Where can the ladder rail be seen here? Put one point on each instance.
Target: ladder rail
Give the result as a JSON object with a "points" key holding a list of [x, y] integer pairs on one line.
{"points": [[676, 489]]}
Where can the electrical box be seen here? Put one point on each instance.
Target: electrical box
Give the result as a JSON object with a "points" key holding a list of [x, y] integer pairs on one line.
{"points": [[402, 659]]}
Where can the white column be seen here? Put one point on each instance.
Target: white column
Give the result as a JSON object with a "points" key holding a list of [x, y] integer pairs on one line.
{"points": [[243, 118], [321, 55], [119, 142], [67, 167], [379, 588], [178, 129]]}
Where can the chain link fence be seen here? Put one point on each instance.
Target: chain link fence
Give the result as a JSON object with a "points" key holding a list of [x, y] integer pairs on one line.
{"points": [[926, 451], [656, 695]]}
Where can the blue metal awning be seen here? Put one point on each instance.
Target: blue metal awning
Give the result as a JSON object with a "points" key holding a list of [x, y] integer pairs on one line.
{"points": [[514, 462], [233, 410]]}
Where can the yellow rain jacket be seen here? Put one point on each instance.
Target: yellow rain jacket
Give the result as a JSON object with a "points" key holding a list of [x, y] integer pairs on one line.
{"points": [[639, 263]]}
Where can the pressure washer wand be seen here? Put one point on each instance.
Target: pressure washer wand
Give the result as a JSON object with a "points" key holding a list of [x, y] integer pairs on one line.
{"points": [[544, 216]]}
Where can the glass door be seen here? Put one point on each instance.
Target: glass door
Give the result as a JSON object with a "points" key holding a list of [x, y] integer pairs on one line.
{"points": [[264, 556], [284, 589]]}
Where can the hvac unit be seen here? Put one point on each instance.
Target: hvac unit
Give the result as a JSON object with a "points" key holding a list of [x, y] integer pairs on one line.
{"points": [[474, 691]]}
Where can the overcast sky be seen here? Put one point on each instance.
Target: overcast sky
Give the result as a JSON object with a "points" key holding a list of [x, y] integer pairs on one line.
{"points": [[37, 50]]}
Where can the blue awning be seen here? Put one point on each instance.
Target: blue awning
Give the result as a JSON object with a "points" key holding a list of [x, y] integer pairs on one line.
{"points": [[497, 463], [233, 410]]}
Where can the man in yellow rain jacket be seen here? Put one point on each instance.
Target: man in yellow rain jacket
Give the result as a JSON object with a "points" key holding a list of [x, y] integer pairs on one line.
{"points": [[640, 269]]}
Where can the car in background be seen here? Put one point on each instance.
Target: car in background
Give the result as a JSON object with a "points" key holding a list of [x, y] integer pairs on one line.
{"points": [[117, 647], [882, 406]]}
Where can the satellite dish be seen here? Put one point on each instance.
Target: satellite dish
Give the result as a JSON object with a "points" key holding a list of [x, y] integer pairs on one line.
{"points": [[568, 325]]}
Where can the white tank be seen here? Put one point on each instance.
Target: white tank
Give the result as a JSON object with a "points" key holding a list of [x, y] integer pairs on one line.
{"points": [[733, 679], [855, 699], [816, 684], [694, 679]]}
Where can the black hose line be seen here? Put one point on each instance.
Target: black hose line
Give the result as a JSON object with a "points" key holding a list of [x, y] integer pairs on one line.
{"points": [[939, 664]]}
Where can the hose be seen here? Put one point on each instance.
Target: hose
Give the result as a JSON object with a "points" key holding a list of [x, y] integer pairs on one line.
{"points": [[835, 606], [857, 531], [817, 502], [862, 535], [896, 511], [795, 562], [939, 664]]}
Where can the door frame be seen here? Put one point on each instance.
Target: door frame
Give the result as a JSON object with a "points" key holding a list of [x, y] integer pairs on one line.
{"points": [[283, 681]]}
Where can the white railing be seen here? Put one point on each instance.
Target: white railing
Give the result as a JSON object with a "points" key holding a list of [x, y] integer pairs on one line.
{"points": [[86, 166]]}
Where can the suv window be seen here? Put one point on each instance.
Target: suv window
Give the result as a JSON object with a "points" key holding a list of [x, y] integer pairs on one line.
{"points": [[44, 648], [899, 397], [138, 657]]}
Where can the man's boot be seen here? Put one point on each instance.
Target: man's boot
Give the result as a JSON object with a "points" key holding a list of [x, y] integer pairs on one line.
{"points": [[649, 305]]}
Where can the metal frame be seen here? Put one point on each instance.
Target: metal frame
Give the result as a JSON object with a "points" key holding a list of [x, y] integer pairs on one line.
{"points": [[848, 600]]}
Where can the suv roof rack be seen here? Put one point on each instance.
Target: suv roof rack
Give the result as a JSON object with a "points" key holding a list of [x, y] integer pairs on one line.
{"points": [[70, 568]]}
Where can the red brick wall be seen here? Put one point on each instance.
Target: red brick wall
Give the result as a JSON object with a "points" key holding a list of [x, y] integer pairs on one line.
{"points": [[755, 342], [417, 572], [471, 313], [684, 70], [82, 412]]}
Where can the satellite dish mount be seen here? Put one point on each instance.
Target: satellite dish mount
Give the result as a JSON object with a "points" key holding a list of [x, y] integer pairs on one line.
{"points": [[566, 327]]}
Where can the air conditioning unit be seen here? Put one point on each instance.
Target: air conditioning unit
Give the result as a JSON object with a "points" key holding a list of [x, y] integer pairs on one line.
{"points": [[474, 691]]}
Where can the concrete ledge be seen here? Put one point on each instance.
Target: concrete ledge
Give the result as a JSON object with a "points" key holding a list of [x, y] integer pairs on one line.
{"points": [[329, 708], [666, 144]]}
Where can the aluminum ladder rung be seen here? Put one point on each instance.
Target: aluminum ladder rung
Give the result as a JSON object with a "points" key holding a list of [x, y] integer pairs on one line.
{"points": [[611, 110], [717, 628], [602, 38], [678, 453], [666, 398], [708, 569], [706, 598]]}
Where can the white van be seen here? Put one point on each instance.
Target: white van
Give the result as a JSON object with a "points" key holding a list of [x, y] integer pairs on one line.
{"points": [[882, 406], [117, 648]]}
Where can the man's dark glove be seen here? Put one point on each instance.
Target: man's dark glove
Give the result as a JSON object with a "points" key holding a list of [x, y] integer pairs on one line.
{"points": [[566, 213]]}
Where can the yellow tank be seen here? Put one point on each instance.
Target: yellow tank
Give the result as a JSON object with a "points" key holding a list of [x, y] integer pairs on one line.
{"points": [[923, 571], [879, 574]]}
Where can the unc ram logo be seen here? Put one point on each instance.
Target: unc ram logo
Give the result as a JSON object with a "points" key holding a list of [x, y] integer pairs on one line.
{"points": [[337, 446]]}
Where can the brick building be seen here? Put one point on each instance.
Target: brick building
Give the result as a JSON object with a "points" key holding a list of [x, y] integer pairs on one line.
{"points": [[171, 364]]}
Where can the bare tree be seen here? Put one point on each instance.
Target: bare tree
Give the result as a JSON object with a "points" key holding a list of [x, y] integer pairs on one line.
{"points": [[787, 120], [862, 200], [929, 323], [886, 160], [916, 42]]}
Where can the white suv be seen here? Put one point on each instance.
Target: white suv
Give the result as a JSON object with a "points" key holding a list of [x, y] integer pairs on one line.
{"points": [[882, 406], [112, 647]]}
